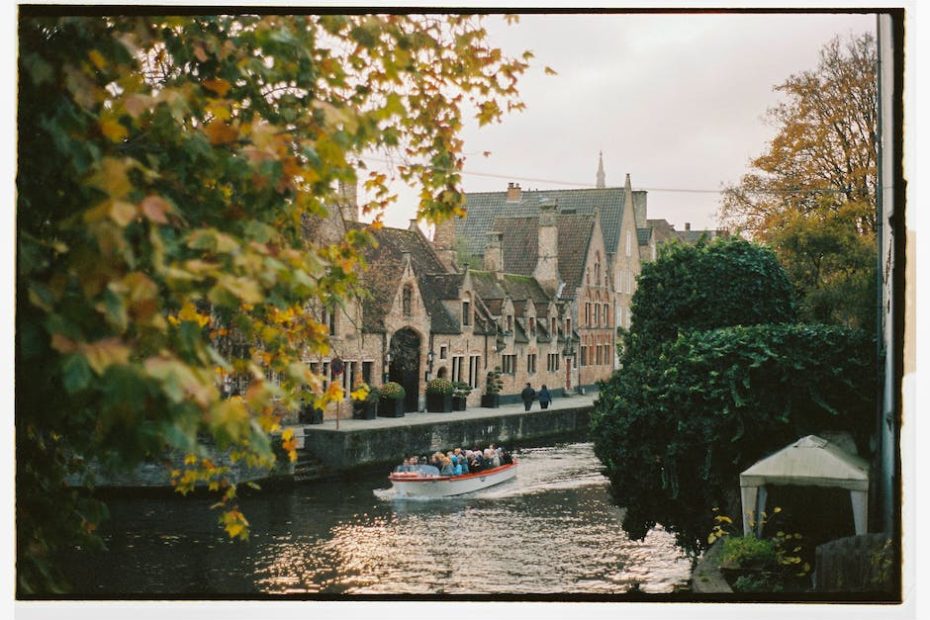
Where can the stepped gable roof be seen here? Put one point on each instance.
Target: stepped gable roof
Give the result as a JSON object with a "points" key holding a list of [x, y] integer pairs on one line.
{"points": [[574, 239], [483, 208], [519, 243]]}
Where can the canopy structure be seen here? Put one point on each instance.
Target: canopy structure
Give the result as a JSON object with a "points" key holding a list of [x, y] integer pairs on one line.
{"points": [[810, 461]]}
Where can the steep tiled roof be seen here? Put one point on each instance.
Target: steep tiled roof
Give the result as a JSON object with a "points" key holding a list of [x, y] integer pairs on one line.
{"points": [[664, 232], [520, 289], [519, 243], [435, 288], [485, 207], [385, 267], [643, 235], [574, 238]]}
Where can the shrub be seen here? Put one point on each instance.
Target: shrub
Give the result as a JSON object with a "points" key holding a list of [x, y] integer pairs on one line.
{"points": [[393, 391], [675, 428], [374, 394], [461, 389], [494, 384], [442, 387]]}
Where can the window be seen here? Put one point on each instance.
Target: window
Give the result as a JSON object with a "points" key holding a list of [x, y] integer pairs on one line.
{"points": [[466, 313], [552, 362], [510, 322], [597, 355], [587, 314], [408, 300], [568, 328], [606, 314], [443, 352], [509, 364], [474, 364], [532, 326], [584, 356], [553, 327], [629, 243], [329, 319], [597, 315], [457, 367], [597, 269], [619, 315], [531, 364], [366, 371]]}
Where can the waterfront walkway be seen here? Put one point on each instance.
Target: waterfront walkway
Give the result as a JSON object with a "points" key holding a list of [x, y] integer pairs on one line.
{"points": [[347, 425]]}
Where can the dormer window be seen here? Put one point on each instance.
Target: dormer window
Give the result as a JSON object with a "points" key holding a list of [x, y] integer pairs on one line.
{"points": [[532, 326], [407, 301], [510, 322], [466, 311]]}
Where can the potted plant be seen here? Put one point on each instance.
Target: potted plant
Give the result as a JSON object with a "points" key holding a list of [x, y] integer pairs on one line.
{"points": [[308, 414], [492, 392], [439, 395], [391, 401], [460, 392], [366, 408]]}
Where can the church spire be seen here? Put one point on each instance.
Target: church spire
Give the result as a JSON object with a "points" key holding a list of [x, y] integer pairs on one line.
{"points": [[600, 170]]}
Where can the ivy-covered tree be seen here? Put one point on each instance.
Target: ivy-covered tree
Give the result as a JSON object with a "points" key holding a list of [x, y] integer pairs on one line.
{"points": [[729, 281], [167, 168], [717, 375]]}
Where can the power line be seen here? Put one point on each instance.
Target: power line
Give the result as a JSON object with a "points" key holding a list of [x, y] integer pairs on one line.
{"points": [[509, 177]]}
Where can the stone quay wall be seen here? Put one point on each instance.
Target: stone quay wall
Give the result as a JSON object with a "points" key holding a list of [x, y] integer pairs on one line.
{"points": [[362, 447]]}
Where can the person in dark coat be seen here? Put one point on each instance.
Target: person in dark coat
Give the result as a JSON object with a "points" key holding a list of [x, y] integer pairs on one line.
{"points": [[544, 397], [529, 395]]}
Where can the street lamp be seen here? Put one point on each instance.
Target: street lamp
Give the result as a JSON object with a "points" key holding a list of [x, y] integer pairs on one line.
{"points": [[387, 366], [429, 365]]}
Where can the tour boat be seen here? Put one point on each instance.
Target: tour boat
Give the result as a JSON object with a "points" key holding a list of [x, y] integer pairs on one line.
{"points": [[425, 481]]}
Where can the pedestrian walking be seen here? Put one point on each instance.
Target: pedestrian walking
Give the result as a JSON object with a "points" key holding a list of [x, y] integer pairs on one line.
{"points": [[529, 395], [544, 397]]}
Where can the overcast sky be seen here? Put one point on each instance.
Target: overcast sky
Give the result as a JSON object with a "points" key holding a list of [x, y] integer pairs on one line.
{"points": [[675, 100]]}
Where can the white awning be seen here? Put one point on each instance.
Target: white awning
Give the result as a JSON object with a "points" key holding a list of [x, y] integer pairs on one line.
{"points": [[810, 461]]}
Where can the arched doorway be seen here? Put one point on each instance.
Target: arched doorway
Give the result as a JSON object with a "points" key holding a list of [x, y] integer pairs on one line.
{"points": [[405, 365]]}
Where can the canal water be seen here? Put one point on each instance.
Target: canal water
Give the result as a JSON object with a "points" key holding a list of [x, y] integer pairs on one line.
{"points": [[551, 530]]}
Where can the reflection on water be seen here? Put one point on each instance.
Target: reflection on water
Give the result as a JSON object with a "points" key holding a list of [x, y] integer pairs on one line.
{"points": [[552, 529]]}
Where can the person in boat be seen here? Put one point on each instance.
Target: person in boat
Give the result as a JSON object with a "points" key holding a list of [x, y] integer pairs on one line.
{"points": [[446, 469]]}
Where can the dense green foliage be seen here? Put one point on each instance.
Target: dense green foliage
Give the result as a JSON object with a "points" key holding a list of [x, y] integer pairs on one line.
{"points": [[442, 387], [705, 286], [676, 426], [169, 169]]}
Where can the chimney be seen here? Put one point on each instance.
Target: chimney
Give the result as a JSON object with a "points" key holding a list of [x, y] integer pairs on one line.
{"points": [[547, 259], [687, 225], [493, 253], [444, 242], [414, 226], [348, 200], [514, 193]]}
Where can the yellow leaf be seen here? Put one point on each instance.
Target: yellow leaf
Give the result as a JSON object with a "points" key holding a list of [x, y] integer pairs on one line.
{"points": [[113, 129], [190, 459], [97, 58], [122, 213], [104, 353], [112, 177], [219, 132], [217, 85]]}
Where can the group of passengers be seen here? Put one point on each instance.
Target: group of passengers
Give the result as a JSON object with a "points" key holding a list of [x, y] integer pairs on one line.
{"points": [[458, 462]]}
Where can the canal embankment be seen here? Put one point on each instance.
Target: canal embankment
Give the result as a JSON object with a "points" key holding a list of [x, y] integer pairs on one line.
{"points": [[349, 444]]}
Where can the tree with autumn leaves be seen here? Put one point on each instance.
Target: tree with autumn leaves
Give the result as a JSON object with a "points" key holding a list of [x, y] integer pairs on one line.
{"points": [[167, 170], [811, 194]]}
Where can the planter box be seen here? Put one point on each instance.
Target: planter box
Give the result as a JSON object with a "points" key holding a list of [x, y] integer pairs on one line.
{"points": [[439, 403], [491, 401], [391, 408], [459, 403], [364, 411], [310, 415]]}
